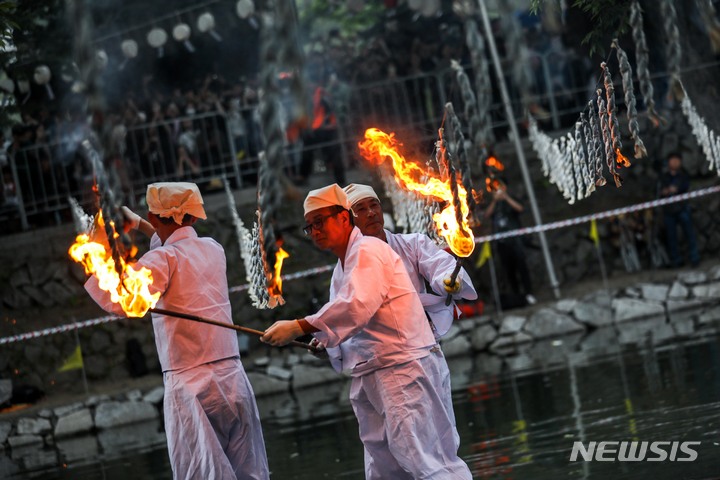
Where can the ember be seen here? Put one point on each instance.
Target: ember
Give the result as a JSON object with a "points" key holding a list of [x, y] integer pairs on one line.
{"points": [[621, 159]]}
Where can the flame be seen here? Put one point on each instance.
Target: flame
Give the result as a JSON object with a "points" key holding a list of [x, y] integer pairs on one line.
{"points": [[132, 293], [408, 175], [494, 163], [275, 288], [621, 159]]}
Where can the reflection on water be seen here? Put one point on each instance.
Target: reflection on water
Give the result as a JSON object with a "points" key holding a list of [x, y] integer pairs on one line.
{"points": [[514, 422]]}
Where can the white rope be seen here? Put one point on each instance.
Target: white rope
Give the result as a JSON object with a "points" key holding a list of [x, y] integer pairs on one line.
{"points": [[326, 268]]}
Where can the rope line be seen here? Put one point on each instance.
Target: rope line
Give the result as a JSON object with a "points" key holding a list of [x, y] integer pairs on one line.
{"points": [[325, 268], [598, 216]]}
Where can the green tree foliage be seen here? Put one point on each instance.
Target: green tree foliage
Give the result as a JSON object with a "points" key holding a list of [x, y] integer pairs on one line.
{"points": [[326, 14], [609, 19], [32, 33], [7, 23]]}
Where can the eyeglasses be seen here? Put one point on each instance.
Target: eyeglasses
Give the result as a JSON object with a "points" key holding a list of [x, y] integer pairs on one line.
{"points": [[317, 224]]}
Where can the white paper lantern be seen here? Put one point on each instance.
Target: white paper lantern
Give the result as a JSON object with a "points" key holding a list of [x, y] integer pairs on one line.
{"points": [[157, 37], [129, 48], [42, 74], [101, 59], [415, 4], [181, 32], [245, 8], [206, 22]]}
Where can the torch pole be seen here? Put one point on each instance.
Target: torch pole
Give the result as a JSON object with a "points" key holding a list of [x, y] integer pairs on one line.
{"points": [[453, 277], [518, 148], [231, 326]]}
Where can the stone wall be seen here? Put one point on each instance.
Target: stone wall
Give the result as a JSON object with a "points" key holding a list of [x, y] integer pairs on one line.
{"points": [[648, 314]]}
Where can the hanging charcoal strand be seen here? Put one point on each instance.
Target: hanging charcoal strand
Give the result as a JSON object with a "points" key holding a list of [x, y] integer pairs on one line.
{"points": [[597, 141], [630, 102], [642, 60]]}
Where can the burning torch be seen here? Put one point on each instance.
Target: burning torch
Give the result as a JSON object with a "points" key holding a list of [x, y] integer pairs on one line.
{"points": [[460, 216], [131, 290], [451, 222]]}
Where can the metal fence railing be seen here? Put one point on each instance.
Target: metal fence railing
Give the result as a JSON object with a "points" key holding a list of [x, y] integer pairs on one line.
{"points": [[207, 146]]}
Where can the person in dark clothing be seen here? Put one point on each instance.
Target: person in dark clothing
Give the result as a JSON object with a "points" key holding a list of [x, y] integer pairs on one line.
{"points": [[505, 211], [675, 181], [323, 136]]}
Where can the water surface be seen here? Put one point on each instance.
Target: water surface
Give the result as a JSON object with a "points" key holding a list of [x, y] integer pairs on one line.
{"points": [[514, 422]]}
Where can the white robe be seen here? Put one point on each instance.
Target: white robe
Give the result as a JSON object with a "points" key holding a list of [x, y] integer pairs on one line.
{"points": [[211, 418], [428, 264], [375, 328], [424, 260]]}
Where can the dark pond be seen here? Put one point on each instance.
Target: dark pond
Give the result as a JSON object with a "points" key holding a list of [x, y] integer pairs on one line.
{"points": [[515, 423]]}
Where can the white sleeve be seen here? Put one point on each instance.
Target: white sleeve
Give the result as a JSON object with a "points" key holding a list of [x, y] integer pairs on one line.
{"points": [[355, 303], [435, 264]]}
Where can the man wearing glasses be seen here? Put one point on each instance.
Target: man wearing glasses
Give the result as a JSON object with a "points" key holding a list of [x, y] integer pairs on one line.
{"points": [[371, 327]]}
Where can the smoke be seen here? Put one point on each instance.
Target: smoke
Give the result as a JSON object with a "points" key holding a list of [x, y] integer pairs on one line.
{"points": [[82, 221]]}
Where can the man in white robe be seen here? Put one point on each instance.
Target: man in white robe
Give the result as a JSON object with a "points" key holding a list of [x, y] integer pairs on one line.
{"points": [[211, 418], [427, 265], [374, 318]]}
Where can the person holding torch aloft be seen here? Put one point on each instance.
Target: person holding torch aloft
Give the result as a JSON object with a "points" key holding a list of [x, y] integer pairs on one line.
{"points": [[211, 418], [427, 264], [374, 326]]}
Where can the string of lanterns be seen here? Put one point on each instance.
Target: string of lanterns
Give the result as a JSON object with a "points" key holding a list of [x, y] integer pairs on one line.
{"points": [[156, 38]]}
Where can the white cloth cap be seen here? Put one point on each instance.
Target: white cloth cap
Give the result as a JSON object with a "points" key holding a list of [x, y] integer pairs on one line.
{"points": [[325, 197], [175, 199], [357, 191]]}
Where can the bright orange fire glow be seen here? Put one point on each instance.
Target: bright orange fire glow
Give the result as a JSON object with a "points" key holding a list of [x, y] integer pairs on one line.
{"points": [[495, 163], [379, 145], [132, 294], [493, 184], [275, 287], [621, 159]]}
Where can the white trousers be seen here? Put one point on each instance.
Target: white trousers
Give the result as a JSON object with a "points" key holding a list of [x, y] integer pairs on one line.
{"points": [[213, 425], [406, 421]]}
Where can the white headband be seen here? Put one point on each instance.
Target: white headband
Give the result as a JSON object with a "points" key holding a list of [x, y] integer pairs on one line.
{"points": [[357, 191], [175, 200], [325, 197]]}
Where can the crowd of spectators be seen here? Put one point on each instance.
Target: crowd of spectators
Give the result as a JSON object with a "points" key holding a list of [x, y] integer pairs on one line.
{"points": [[152, 133], [164, 132]]}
